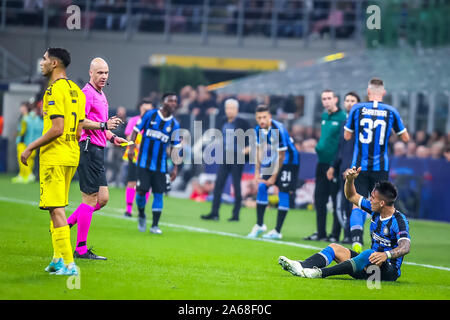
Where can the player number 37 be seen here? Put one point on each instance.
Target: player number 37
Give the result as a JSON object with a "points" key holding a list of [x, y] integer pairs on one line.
{"points": [[369, 126]]}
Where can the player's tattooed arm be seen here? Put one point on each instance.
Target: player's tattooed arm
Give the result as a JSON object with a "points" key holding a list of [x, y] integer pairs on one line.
{"points": [[403, 249]]}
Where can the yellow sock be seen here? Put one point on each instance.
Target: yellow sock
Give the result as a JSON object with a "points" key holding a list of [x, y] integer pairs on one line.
{"points": [[62, 242], [56, 253]]}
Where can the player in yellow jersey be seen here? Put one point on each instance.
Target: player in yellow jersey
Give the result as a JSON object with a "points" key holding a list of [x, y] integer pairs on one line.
{"points": [[63, 111]]}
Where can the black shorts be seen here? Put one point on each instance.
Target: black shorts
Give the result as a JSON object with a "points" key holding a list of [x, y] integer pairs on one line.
{"points": [[132, 171], [91, 169], [158, 181], [387, 271], [366, 181], [287, 178]]}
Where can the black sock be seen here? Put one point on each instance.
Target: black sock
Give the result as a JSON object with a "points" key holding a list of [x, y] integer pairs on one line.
{"points": [[357, 235], [280, 219], [345, 267], [316, 260], [156, 216], [260, 209], [141, 212]]}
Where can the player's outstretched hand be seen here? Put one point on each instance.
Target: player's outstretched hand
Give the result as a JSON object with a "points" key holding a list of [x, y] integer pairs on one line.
{"points": [[352, 173], [118, 141]]}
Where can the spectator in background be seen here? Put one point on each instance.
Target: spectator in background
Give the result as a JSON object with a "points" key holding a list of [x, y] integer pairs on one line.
{"points": [[437, 150], [421, 138], [187, 96], [447, 153], [399, 149], [422, 152], [203, 106], [411, 147]]}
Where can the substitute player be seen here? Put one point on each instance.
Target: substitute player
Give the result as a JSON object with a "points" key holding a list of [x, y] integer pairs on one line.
{"points": [[91, 170], [277, 163], [371, 122], [390, 239], [63, 111], [158, 126], [130, 191]]}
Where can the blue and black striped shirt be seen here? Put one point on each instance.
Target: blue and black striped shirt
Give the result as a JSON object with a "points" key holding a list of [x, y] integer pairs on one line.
{"points": [[157, 136], [279, 141], [372, 122], [386, 233]]}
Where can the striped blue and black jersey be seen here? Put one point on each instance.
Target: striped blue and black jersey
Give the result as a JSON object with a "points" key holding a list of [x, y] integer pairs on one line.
{"points": [[158, 134], [372, 122], [275, 139], [386, 233]]}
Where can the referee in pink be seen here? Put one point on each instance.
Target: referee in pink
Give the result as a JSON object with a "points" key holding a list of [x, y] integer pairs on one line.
{"points": [[91, 169]]}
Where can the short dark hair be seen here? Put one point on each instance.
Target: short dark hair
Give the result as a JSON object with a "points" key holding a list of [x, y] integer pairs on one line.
{"points": [[167, 94], [387, 190], [144, 101], [354, 94], [328, 90], [262, 108], [376, 82], [62, 54]]}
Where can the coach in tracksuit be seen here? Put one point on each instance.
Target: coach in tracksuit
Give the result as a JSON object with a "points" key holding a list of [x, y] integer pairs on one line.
{"points": [[231, 146], [332, 121]]}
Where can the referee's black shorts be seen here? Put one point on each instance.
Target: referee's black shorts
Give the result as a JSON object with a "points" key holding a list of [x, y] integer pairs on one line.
{"points": [[91, 169], [366, 180], [387, 271]]}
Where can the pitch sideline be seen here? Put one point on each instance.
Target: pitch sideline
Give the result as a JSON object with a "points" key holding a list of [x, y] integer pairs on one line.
{"points": [[202, 230]]}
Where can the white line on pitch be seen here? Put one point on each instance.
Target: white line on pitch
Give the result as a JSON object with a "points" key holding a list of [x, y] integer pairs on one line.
{"points": [[202, 230]]}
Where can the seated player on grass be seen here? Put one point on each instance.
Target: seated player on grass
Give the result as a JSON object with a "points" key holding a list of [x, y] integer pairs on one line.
{"points": [[390, 239]]}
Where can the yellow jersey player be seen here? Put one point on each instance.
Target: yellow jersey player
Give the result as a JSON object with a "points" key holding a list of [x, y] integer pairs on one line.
{"points": [[63, 111]]}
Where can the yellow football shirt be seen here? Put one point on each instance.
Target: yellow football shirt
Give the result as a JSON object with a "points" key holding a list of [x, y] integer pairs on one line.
{"points": [[63, 98]]}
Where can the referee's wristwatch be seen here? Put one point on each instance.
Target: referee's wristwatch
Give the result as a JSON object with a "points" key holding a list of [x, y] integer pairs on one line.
{"points": [[112, 138], [103, 126]]}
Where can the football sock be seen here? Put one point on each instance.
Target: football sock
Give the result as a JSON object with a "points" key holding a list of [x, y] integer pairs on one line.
{"points": [[97, 207], [280, 219], [156, 216], [357, 219], [260, 209], [141, 202], [56, 254], [147, 195], [84, 223], [320, 259], [130, 193], [62, 243], [72, 220], [345, 267]]}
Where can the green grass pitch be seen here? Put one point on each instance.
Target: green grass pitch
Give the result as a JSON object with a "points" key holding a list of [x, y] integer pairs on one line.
{"points": [[194, 259]]}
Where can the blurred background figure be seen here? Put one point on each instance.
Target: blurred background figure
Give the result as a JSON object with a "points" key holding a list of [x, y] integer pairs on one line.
{"points": [[29, 129], [114, 165], [400, 149]]}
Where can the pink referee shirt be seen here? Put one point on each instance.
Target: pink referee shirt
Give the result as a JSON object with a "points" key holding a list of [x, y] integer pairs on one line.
{"points": [[96, 110]]}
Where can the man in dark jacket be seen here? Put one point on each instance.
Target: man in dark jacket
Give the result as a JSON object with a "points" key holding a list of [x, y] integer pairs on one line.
{"points": [[231, 147], [336, 171]]}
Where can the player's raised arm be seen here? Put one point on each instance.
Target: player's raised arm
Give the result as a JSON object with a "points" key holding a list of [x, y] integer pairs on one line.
{"points": [[349, 187]]}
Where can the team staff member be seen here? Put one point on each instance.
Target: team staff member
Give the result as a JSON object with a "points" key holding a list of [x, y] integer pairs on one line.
{"points": [[342, 162], [63, 110], [333, 119], [91, 171], [231, 147]]}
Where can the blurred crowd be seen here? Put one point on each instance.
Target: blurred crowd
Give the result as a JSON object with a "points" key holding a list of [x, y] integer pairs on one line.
{"points": [[186, 15]]}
